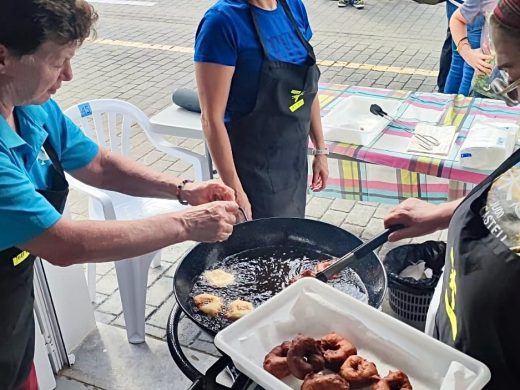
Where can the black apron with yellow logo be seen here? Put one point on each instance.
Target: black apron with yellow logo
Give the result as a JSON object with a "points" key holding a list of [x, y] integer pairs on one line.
{"points": [[479, 312], [270, 143], [17, 293]]}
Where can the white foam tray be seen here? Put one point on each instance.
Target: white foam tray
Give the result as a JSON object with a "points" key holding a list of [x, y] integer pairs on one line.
{"points": [[313, 308], [351, 121]]}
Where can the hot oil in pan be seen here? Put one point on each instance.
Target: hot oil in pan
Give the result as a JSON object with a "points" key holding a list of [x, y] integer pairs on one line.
{"points": [[261, 273]]}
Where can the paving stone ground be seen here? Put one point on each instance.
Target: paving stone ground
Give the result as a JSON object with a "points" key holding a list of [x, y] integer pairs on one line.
{"points": [[142, 54]]}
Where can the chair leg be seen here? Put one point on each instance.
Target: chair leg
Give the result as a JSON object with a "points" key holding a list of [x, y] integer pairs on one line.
{"points": [[156, 262], [91, 281], [132, 278]]}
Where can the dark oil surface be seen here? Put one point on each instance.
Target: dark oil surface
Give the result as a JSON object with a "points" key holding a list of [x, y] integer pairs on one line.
{"points": [[261, 273]]}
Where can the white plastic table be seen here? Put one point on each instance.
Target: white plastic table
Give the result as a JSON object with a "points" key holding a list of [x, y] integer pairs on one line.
{"points": [[179, 122]]}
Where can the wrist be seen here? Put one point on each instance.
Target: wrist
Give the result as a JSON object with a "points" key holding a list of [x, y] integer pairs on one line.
{"points": [[445, 213], [320, 151], [173, 226], [180, 193], [464, 50], [463, 41], [320, 144]]}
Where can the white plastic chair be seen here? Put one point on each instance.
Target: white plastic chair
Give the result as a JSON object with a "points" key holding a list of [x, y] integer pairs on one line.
{"points": [[109, 123]]}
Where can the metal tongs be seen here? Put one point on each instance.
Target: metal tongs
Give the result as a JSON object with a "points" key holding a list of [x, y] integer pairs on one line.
{"points": [[425, 141], [356, 254]]}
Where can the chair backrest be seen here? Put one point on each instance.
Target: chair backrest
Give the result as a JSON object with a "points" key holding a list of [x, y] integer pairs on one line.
{"points": [[109, 122]]}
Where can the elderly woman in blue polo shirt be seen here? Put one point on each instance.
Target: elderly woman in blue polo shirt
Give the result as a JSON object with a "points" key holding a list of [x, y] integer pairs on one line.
{"points": [[37, 144]]}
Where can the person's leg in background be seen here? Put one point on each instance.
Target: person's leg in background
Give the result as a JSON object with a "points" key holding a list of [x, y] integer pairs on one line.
{"points": [[359, 4], [445, 62], [455, 74], [474, 34]]}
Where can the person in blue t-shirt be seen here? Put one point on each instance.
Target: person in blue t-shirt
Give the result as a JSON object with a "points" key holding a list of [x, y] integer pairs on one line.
{"points": [[258, 80], [37, 144]]}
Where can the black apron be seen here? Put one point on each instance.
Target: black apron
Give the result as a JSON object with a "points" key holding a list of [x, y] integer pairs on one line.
{"points": [[479, 312], [17, 293], [270, 143]]}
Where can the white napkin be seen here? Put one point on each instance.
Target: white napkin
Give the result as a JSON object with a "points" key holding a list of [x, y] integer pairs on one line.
{"points": [[417, 271], [443, 134]]}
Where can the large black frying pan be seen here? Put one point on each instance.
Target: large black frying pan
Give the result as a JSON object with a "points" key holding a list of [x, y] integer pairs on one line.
{"points": [[302, 236]]}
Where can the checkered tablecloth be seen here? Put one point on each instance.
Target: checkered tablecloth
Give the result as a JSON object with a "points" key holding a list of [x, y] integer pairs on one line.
{"points": [[383, 171]]}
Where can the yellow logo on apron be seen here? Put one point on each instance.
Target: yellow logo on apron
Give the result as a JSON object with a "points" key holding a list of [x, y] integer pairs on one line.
{"points": [[298, 101], [19, 258], [449, 299]]}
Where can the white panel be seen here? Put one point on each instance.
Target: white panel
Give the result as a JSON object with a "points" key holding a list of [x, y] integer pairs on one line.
{"points": [[44, 372], [72, 303]]}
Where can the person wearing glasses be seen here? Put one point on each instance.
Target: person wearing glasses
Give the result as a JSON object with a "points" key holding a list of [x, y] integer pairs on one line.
{"points": [[257, 80], [476, 307]]}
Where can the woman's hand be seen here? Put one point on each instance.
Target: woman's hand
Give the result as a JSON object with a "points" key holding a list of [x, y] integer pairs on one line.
{"points": [[419, 217], [320, 173], [209, 222], [206, 191], [243, 203], [477, 60]]}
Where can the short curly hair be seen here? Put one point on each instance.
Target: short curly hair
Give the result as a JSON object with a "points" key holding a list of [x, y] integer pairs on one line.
{"points": [[26, 24]]}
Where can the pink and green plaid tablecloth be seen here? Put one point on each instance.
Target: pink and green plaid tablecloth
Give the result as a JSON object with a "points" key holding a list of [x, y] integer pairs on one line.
{"points": [[383, 171]]}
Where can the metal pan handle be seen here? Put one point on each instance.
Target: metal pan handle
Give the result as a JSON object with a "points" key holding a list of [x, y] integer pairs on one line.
{"points": [[209, 380]]}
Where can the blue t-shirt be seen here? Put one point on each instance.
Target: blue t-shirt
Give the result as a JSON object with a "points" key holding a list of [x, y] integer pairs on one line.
{"points": [[226, 36], [24, 213]]}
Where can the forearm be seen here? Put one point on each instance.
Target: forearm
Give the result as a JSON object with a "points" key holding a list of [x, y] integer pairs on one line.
{"points": [[458, 27], [419, 218], [221, 153], [72, 242], [445, 212], [316, 130], [112, 171]]}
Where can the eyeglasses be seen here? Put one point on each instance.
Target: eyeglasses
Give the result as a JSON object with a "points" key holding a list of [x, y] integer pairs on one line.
{"points": [[501, 86]]}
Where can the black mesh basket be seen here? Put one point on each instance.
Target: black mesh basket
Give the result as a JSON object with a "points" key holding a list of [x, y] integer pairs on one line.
{"points": [[410, 298]]}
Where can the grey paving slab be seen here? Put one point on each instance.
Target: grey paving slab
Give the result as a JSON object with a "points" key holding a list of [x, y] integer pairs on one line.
{"points": [[106, 360], [334, 217], [317, 207], [107, 284], [360, 214], [160, 291], [344, 205], [112, 305], [68, 384]]}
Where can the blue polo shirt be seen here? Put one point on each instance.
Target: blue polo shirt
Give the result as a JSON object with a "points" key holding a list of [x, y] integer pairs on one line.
{"points": [[226, 36], [24, 167]]}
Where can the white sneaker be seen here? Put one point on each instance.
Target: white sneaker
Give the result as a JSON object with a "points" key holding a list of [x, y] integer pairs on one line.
{"points": [[359, 4]]}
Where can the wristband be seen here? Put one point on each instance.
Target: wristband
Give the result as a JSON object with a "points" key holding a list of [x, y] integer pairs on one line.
{"points": [[462, 41], [180, 187], [320, 152]]}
